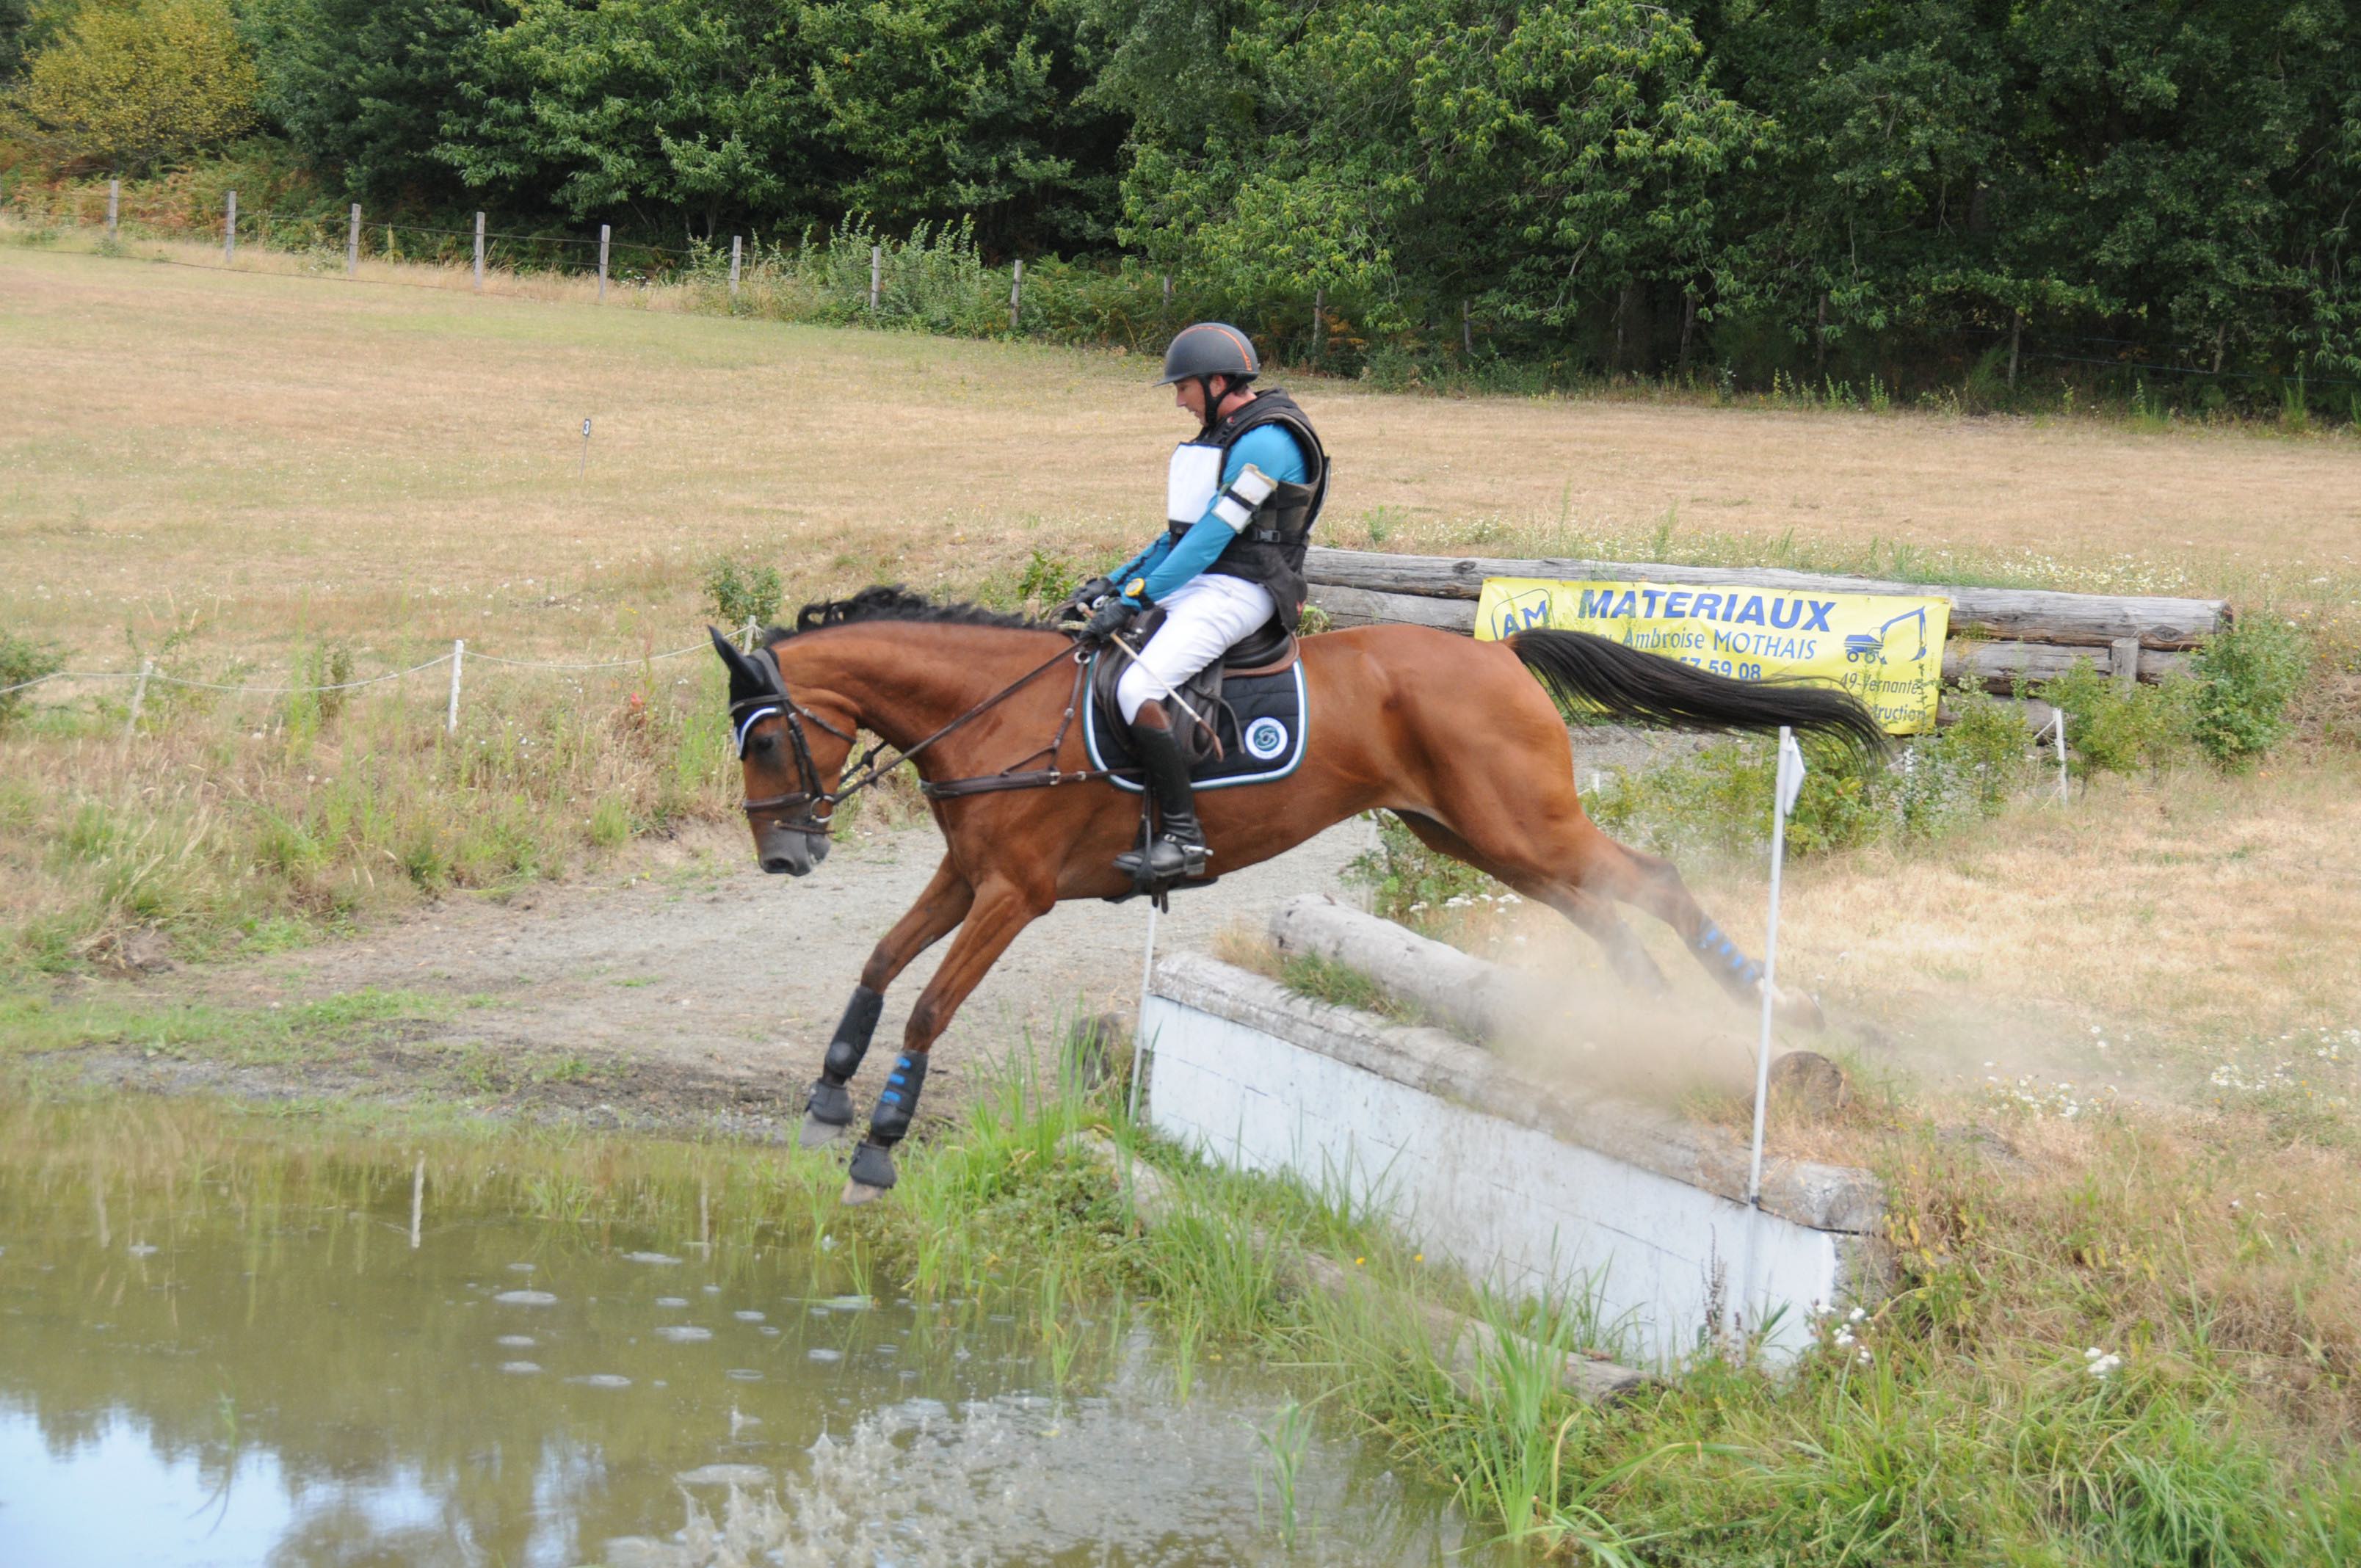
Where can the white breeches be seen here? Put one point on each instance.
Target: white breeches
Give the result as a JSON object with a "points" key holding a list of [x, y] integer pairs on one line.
{"points": [[1202, 618]]}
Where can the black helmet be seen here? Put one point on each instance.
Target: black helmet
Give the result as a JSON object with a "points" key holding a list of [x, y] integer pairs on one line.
{"points": [[1210, 348]]}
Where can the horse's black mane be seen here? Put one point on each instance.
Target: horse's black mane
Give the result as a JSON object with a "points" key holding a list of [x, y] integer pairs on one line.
{"points": [[895, 602]]}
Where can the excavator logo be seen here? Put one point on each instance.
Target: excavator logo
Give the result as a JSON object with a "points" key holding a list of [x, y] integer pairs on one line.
{"points": [[1868, 647]]}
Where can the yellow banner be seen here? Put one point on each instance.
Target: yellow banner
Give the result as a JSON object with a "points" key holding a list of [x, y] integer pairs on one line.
{"points": [[1886, 650]]}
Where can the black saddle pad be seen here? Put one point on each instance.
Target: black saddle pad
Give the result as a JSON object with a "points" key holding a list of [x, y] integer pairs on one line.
{"points": [[1261, 721]]}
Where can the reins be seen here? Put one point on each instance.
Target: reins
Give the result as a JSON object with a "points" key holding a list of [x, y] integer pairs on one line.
{"points": [[867, 768]]}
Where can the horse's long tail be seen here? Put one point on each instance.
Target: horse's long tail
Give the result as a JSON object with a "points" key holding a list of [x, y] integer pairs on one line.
{"points": [[1579, 668]]}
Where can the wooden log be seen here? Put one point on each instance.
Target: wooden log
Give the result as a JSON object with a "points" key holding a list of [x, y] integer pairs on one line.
{"points": [[1481, 1000], [1361, 606], [1998, 667], [2034, 615], [1994, 665], [1464, 1346]]}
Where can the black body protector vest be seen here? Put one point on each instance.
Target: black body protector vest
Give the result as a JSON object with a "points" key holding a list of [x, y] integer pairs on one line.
{"points": [[1269, 545]]}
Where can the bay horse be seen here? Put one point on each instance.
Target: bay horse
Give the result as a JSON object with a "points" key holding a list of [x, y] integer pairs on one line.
{"points": [[1453, 736]]}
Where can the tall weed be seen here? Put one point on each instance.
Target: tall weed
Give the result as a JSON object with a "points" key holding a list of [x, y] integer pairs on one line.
{"points": [[1717, 803], [21, 661], [2122, 729], [2246, 677]]}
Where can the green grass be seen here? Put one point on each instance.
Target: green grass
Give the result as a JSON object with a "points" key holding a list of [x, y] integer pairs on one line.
{"points": [[33, 1025]]}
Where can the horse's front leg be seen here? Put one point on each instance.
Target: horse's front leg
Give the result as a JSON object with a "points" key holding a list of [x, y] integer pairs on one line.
{"points": [[942, 907], [1001, 910]]}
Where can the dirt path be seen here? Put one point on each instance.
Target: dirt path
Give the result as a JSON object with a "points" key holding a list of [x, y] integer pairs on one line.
{"points": [[698, 972]]}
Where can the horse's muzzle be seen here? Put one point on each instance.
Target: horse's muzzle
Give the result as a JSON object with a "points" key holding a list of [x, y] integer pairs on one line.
{"points": [[788, 852]]}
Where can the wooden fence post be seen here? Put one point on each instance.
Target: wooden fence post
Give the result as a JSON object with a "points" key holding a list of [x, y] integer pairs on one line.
{"points": [[2015, 330], [1167, 291], [353, 244], [479, 253], [1015, 293], [2123, 664], [451, 715], [737, 252], [1466, 329], [606, 233], [877, 274], [114, 200], [1319, 320], [229, 231]]}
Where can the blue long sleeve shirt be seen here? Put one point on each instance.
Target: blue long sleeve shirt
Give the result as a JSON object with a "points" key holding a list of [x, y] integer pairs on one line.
{"points": [[1168, 563]]}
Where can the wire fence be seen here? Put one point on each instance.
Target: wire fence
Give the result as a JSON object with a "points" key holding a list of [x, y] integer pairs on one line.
{"points": [[458, 659], [515, 253]]}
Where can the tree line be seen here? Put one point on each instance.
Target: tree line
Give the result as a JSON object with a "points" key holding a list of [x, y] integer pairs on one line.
{"points": [[1731, 187]]}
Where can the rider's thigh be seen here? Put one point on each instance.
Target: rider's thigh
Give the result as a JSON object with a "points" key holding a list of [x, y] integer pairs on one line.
{"points": [[1202, 618]]}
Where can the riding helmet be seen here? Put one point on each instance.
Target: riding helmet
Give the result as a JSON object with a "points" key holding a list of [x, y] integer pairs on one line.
{"points": [[1210, 348]]}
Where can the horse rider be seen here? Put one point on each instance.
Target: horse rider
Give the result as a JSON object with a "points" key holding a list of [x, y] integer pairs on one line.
{"points": [[1240, 500]]}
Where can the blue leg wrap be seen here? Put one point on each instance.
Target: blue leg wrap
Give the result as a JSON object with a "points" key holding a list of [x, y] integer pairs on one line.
{"points": [[898, 1101], [1737, 972]]}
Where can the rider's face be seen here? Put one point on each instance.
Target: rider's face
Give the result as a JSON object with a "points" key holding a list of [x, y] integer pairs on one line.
{"points": [[1190, 397]]}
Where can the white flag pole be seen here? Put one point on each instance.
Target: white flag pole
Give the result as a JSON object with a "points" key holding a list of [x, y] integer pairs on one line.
{"points": [[1790, 776], [1789, 781]]}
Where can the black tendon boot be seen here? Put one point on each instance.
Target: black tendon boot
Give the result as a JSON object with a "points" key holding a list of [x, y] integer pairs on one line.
{"points": [[1179, 848], [829, 1110], [873, 1162]]}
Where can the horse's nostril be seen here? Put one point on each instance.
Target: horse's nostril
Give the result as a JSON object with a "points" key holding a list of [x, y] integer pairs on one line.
{"points": [[777, 865]]}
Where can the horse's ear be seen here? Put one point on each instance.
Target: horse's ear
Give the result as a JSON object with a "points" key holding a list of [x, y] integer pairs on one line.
{"points": [[747, 678]]}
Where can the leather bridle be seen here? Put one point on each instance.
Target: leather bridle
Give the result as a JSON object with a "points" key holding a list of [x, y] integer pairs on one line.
{"points": [[817, 806], [745, 713]]}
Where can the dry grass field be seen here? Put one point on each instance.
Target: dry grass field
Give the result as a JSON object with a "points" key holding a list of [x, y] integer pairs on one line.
{"points": [[269, 451], [262, 459]]}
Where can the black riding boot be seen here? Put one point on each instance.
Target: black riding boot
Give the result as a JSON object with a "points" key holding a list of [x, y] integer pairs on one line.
{"points": [[1179, 850]]}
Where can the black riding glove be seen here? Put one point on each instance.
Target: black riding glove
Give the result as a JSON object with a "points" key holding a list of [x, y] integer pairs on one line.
{"points": [[1110, 618], [1089, 593]]}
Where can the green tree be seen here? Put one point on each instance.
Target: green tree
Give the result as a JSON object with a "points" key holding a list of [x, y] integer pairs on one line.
{"points": [[2166, 175], [27, 26], [360, 87], [675, 111], [134, 86], [938, 110], [1548, 158]]}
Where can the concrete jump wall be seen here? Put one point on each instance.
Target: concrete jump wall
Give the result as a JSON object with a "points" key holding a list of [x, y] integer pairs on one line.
{"points": [[1510, 1181]]}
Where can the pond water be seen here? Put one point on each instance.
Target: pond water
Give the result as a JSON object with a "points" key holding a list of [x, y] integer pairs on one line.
{"points": [[241, 1358]]}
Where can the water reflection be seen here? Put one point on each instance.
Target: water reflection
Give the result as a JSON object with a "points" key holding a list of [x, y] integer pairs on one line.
{"points": [[254, 1364]]}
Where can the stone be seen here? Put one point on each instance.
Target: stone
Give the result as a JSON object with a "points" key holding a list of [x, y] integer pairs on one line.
{"points": [[1807, 1082]]}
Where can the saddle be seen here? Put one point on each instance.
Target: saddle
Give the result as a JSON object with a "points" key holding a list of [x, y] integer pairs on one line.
{"points": [[1252, 702], [1269, 649]]}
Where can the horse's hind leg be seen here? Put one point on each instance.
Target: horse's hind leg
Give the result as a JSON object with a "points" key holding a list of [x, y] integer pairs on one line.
{"points": [[1539, 840], [942, 905], [1588, 911], [1653, 883]]}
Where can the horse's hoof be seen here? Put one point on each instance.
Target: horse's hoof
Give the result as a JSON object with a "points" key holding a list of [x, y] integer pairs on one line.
{"points": [[871, 1174], [818, 1135], [826, 1113]]}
